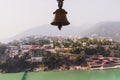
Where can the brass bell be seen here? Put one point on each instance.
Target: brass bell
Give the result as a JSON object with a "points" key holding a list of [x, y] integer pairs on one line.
{"points": [[60, 18]]}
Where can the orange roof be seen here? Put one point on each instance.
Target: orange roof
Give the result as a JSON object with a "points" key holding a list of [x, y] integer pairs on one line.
{"points": [[34, 47]]}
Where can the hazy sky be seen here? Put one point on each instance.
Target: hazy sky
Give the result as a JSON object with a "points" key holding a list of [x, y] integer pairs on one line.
{"points": [[19, 15]]}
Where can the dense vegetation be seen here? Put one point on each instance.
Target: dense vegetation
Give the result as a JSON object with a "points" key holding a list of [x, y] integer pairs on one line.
{"points": [[2, 49], [79, 50]]}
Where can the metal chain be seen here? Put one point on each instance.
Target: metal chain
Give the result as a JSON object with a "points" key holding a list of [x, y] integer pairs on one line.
{"points": [[60, 3]]}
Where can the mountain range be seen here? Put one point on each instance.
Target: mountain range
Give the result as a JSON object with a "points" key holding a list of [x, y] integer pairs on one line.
{"points": [[102, 29], [105, 29]]}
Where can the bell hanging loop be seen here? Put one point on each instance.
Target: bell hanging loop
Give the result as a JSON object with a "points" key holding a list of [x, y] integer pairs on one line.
{"points": [[60, 3], [60, 18]]}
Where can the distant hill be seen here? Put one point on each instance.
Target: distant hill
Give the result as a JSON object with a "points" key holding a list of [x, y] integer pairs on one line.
{"points": [[105, 29], [49, 30], [102, 29], [53, 31]]}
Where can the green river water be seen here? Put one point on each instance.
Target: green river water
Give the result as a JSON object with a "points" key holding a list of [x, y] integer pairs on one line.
{"points": [[112, 74]]}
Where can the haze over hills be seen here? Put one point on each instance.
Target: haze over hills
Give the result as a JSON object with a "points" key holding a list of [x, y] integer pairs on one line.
{"points": [[49, 30], [105, 29], [102, 29], [52, 31]]}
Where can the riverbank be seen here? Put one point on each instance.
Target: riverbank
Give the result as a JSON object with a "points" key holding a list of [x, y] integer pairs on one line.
{"points": [[105, 68], [64, 75]]}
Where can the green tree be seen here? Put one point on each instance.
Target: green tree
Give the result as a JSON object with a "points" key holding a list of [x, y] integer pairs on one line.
{"points": [[2, 49]]}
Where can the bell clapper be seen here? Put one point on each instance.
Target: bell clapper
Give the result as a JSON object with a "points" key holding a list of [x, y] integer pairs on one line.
{"points": [[59, 26]]}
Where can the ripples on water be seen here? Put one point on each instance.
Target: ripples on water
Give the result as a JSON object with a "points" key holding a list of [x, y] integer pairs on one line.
{"points": [[111, 74]]}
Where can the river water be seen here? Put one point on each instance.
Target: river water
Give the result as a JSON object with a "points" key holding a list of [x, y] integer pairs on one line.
{"points": [[111, 74]]}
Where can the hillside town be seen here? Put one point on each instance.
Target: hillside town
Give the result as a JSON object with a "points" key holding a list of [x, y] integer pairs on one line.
{"points": [[44, 53]]}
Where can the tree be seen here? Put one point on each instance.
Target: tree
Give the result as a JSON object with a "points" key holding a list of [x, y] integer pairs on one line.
{"points": [[2, 49], [76, 50], [84, 39], [76, 44], [91, 51]]}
